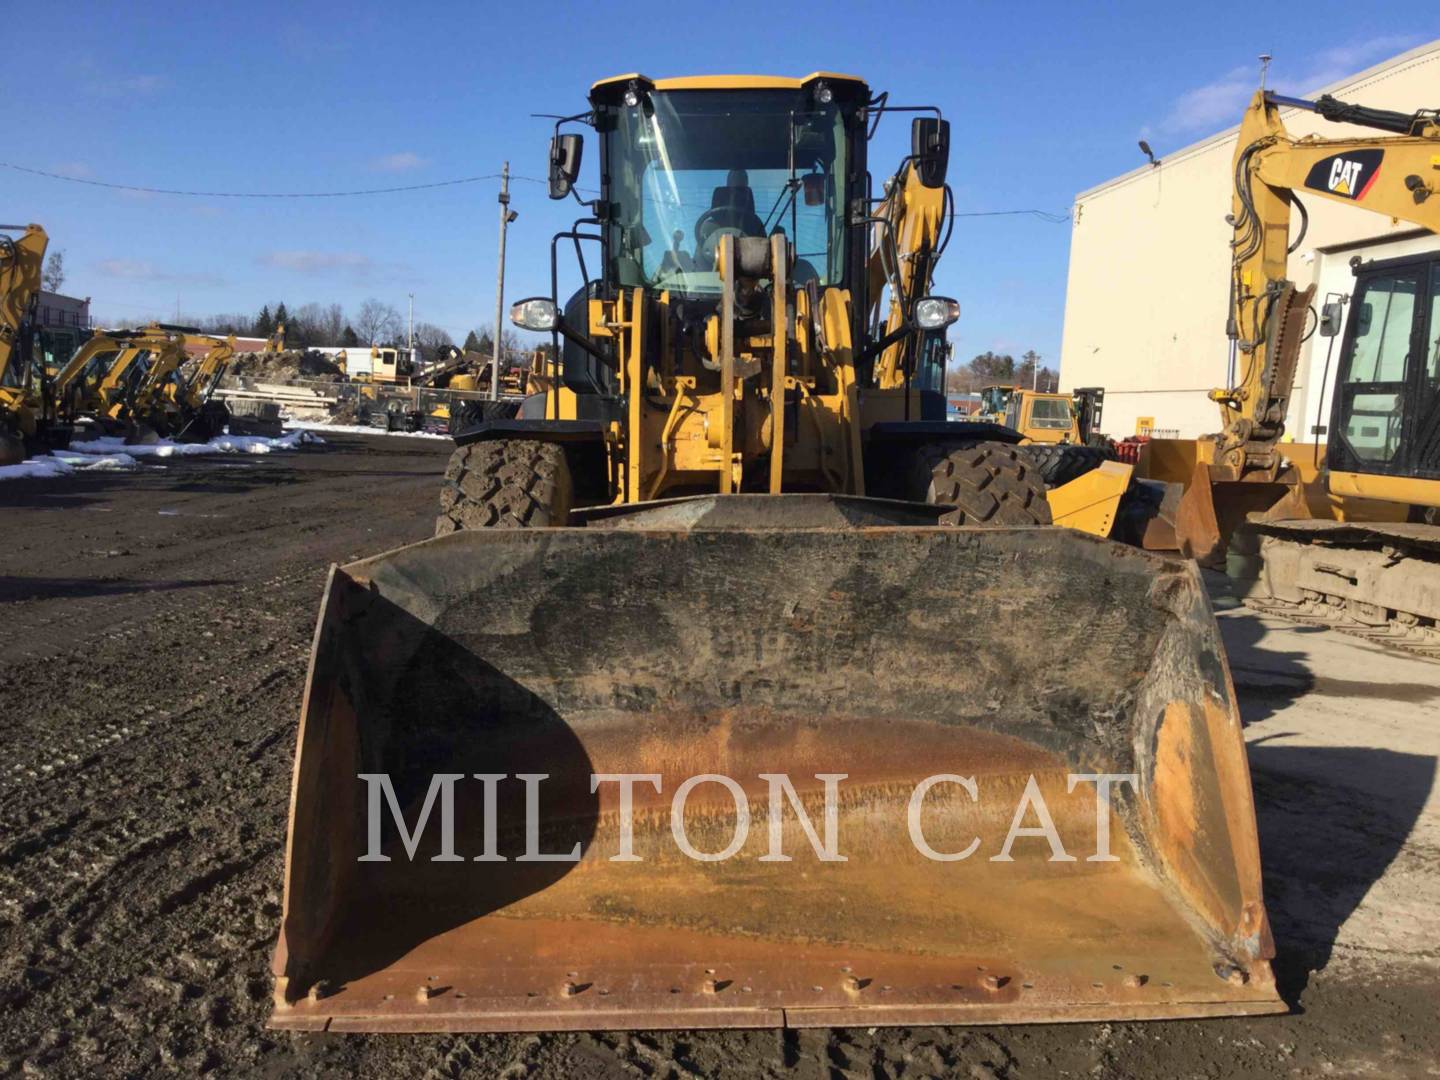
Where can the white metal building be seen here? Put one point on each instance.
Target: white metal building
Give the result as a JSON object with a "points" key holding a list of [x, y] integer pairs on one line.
{"points": [[1149, 261]]}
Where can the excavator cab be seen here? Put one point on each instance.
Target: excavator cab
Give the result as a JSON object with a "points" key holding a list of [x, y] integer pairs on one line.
{"points": [[1386, 408]]}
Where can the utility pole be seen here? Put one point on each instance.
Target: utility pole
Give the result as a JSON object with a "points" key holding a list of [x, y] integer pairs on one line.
{"points": [[410, 333], [506, 216]]}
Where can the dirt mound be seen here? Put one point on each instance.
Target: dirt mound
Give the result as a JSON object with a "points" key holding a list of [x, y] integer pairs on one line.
{"points": [[284, 366]]}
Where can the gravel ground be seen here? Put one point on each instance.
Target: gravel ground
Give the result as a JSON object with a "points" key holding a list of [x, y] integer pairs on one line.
{"points": [[156, 630]]}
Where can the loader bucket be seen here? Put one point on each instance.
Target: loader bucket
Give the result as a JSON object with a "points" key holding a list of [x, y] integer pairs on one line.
{"points": [[883, 720]]}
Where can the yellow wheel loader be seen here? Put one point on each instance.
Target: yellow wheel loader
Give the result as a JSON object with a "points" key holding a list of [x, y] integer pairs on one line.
{"points": [[719, 699], [1062, 431]]}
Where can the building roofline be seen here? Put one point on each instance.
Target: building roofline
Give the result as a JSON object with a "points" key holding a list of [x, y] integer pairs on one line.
{"points": [[1350, 82]]}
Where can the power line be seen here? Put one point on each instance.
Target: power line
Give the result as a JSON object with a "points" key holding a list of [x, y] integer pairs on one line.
{"points": [[1043, 215], [262, 194]]}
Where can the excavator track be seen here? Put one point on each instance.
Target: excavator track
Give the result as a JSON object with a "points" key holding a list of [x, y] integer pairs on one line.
{"points": [[1393, 635], [1375, 580]]}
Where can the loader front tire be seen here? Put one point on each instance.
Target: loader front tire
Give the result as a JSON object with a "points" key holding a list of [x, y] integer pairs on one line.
{"points": [[990, 483], [505, 484]]}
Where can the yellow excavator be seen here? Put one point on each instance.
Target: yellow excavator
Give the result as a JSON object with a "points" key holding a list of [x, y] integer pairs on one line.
{"points": [[739, 687], [175, 397], [24, 414], [1379, 577]]}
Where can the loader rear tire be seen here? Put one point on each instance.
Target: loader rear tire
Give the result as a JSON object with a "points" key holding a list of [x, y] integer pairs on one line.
{"points": [[990, 483], [505, 484], [1059, 463]]}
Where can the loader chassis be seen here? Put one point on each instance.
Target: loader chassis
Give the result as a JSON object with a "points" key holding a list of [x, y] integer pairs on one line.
{"points": [[751, 328]]}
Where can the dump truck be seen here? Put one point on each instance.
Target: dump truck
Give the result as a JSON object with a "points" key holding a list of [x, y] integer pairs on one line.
{"points": [[716, 700]]}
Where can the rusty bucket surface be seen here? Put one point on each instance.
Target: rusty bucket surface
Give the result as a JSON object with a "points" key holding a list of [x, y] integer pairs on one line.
{"points": [[1014, 659]]}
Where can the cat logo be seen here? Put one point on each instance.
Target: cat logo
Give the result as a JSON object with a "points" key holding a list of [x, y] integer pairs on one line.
{"points": [[1343, 175], [1349, 176]]}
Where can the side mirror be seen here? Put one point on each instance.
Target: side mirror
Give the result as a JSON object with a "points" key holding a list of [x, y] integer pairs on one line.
{"points": [[564, 164], [930, 147], [1332, 317]]}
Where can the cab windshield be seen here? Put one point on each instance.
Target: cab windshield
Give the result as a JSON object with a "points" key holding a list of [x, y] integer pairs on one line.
{"points": [[688, 167]]}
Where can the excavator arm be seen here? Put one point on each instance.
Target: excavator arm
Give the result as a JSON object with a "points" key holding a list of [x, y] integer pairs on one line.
{"points": [[20, 266], [1269, 317], [21, 259], [1398, 176]]}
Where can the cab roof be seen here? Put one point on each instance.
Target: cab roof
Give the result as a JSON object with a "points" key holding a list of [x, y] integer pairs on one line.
{"points": [[729, 82]]}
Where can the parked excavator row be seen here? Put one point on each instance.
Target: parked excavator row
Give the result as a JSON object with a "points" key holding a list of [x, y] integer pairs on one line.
{"points": [[735, 539], [1373, 568], [145, 384]]}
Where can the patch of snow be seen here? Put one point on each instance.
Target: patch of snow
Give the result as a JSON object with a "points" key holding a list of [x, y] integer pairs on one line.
{"points": [[110, 454]]}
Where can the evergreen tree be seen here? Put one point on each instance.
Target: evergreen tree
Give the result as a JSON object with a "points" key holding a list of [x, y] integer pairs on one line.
{"points": [[349, 339], [281, 315], [472, 343], [264, 323]]}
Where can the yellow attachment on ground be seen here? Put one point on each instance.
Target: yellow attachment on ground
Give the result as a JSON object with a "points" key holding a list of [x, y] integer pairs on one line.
{"points": [[1090, 502]]}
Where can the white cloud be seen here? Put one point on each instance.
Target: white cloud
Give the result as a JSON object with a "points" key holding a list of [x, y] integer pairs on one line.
{"points": [[130, 87], [134, 269], [1217, 104], [403, 161], [143, 270], [318, 262]]}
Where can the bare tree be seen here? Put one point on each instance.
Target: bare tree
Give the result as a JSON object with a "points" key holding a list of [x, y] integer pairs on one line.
{"points": [[332, 324], [431, 340], [53, 276], [377, 322]]}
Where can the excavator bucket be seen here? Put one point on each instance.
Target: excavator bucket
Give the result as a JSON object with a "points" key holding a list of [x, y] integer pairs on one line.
{"points": [[861, 764]]}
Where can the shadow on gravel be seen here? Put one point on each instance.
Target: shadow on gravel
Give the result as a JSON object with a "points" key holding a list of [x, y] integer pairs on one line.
{"points": [[1331, 820], [393, 695], [13, 589], [1266, 678]]}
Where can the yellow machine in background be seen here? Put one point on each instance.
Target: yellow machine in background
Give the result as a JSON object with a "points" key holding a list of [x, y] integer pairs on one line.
{"points": [[1247, 469], [144, 384], [736, 537], [1372, 571], [174, 399], [1061, 431], [23, 403]]}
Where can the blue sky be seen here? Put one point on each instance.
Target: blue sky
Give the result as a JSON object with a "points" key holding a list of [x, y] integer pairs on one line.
{"points": [[1045, 100]]}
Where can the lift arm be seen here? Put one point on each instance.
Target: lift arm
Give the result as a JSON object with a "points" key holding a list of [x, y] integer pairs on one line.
{"points": [[21, 261], [908, 239]]}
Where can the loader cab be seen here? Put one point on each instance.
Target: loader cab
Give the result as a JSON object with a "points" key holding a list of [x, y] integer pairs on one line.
{"points": [[684, 166], [1385, 416]]}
